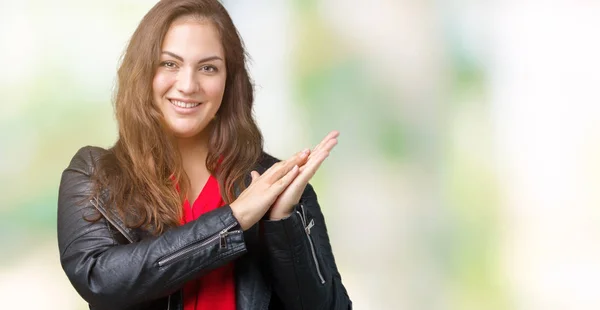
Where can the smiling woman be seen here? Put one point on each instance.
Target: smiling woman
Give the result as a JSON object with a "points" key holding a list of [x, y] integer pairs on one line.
{"points": [[189, 83], [186, 210]]}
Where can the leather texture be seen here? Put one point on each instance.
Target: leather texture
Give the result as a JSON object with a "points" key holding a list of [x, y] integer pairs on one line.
{"points": [[285, 264]]}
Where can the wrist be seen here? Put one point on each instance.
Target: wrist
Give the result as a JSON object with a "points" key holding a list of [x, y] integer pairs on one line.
{"points": [[276, 216], [240, 216]]}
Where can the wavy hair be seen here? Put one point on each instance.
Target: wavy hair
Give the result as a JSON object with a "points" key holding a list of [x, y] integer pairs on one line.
{"points": [[143, 167]]}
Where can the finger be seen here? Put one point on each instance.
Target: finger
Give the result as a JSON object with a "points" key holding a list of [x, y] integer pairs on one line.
{"points": [[313, 164], [301, 157], [300, 182], [290, 162], [329, 136], [327, 147], [254, 176], [281, 184], [332, 135], [280, 169], [308, 171]]}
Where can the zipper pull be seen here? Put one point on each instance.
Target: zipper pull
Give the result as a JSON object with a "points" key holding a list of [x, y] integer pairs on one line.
{"points": [[223, 238], [309, 226]]}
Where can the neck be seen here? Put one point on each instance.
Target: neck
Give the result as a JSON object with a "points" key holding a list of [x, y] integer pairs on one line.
{"points": [[193, 156], [194, 151]]}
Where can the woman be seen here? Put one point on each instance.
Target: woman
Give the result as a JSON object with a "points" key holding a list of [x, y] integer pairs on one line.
{"points": [[186, 211]]}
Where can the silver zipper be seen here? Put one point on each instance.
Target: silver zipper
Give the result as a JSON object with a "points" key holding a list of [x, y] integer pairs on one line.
{"points": [[118, 227], [220, 235], [312, 247], [223, 236]]}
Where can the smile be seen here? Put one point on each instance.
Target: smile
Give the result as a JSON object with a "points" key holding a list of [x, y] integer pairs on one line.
{"points": [[186, 105]]}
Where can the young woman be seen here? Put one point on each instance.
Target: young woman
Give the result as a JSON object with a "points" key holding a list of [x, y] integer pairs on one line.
{"points": [[186, 211]]}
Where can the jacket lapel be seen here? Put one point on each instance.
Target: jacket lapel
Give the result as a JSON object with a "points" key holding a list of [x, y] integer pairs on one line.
{"points": [[113, 217]]}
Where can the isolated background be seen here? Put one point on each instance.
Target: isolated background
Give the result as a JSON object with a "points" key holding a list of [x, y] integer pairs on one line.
{"points": [[468, 167]]}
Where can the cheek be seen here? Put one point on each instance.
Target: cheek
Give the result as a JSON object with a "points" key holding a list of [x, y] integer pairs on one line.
{"points": [[161, 83], [215, 88]]}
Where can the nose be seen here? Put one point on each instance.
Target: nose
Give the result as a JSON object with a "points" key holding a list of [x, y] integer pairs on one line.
{"points": [[187, 82]]}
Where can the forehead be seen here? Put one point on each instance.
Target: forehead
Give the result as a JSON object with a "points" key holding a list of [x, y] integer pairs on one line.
{"points": [[192, 37]]}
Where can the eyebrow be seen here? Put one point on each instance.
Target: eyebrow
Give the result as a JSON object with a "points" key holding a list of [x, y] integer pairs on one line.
{"points": [[200, 61]]}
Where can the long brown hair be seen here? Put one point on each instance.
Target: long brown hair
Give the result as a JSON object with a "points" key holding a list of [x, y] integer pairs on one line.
{"points": [[144, 165]]}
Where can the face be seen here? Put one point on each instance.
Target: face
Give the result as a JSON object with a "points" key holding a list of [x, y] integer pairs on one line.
{"points": [[189, 83]]}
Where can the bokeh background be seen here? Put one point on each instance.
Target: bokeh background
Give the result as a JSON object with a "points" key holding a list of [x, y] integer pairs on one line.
{"points": [[468, 167]]}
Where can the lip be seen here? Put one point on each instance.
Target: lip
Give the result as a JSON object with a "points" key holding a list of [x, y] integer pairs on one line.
{"points": [[185, 111], [184, 100]]}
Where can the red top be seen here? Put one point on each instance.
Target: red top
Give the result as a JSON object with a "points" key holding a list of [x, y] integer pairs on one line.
{"points": [[216, 289]]}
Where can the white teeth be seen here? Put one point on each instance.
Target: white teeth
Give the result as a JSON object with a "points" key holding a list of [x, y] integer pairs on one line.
{"points": [[185, 104]]}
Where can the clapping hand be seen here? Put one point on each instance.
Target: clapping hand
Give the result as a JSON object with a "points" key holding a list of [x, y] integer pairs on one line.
{"points": [[280, 187], [283, 206]]}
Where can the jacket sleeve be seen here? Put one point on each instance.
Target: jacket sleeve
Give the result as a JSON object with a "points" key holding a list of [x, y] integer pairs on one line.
{"points": [[301, 261], [109, 275]]}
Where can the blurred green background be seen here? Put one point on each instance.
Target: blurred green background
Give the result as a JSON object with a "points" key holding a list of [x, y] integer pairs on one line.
{"points": [[467, 170]]}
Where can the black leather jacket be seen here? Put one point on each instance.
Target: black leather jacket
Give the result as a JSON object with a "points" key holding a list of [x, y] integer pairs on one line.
{"points": [[285, 264]]}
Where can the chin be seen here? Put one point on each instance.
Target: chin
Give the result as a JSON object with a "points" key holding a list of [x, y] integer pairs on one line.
{"points": [[187, 132]]}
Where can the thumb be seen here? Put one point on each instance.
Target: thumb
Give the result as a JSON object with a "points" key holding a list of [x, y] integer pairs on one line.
{"points": [[254, 175]]}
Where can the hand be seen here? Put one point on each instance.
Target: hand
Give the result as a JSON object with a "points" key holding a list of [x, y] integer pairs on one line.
{"points": [[255, 200], [291, 195]]}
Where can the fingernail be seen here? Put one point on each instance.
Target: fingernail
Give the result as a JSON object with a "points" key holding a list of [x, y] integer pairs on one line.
{"points": [[306, 151]]}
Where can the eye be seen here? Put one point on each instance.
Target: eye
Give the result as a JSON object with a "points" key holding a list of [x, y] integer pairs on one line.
{"points": [[209, 69], [168, 64]]}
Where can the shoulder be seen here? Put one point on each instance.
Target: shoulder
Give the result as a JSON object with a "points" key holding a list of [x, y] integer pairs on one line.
{"points": [[86, 158]]}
